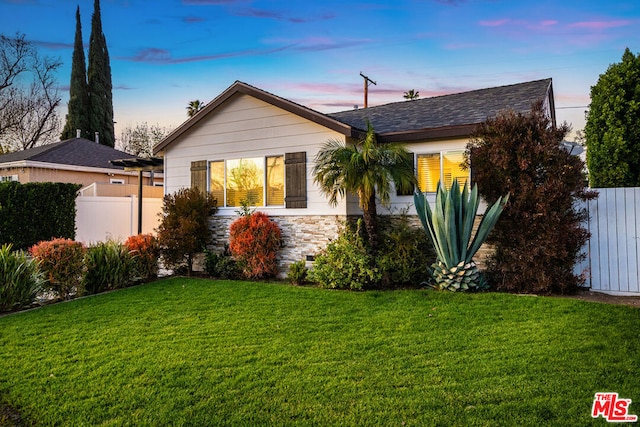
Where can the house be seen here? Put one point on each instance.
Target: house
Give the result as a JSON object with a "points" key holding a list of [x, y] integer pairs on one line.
{"points": [[249, 144], [75, 160]]}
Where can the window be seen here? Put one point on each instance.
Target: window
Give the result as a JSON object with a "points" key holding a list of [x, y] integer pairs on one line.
{"points": [[216, 181], [445, 167], [237, 180], [275, 181]]}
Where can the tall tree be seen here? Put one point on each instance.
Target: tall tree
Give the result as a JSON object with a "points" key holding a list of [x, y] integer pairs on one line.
{"points": [[365, 168], [99, 80], [78, 107], [540, 234], [29, 95], [194, 107], [613, 126]]}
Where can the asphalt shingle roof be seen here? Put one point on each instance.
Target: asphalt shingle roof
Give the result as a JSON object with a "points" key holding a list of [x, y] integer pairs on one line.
{"points": [[448, 110], [75, 151]]}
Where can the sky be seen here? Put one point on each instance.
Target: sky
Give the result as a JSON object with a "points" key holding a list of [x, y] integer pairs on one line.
{"points": [[165, 54]]}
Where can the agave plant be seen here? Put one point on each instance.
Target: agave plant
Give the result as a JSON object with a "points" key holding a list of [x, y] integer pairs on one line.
{"points": [[450, 227]]}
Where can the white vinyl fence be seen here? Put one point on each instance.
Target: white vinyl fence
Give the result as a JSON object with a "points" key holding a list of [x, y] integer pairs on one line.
{"points": [[101, 218], [613, 251]]}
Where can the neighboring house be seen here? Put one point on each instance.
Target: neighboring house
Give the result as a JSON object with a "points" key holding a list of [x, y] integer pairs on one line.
{"points": [[76, 160], [250, 144]]}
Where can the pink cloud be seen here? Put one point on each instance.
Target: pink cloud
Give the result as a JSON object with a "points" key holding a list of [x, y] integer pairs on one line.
{"points": [[495, 23], [548, 23], [600, 25], [459, 46]]}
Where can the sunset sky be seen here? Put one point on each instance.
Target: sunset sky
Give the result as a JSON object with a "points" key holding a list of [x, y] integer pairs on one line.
{"points": [[167, 53]]}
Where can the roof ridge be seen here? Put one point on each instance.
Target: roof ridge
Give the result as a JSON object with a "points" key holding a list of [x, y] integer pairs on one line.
{"points": [[549, 79]]}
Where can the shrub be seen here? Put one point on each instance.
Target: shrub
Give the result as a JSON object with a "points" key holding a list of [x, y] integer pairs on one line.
{"points": [[345, 263], [254, 241], [405, 254], [144, 249], [20, 279], [298, 272], [184, 230], [109, 265], [61, 260], [221, 265], [540, 233], [25, 205]]}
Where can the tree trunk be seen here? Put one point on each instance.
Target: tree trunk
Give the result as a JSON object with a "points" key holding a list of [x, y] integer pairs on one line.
{"points": [[370, 217]]}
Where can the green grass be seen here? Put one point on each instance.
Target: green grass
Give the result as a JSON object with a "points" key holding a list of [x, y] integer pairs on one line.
{"points": [[201, 352]]}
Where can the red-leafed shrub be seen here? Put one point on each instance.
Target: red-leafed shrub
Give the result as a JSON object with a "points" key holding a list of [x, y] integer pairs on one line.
{"points": [[254, 243], [540, 234], [145, 251], [61, 260]]}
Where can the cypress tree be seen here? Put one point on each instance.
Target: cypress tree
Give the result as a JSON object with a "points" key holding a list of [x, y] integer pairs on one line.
{"points": [[78, 107], [99, 79]]}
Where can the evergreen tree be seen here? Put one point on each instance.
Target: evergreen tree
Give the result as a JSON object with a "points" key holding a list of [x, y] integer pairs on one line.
{"points": [[613, 129], [78, 110], [99, 79]]}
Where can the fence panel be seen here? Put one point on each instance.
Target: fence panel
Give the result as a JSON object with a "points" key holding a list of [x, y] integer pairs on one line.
{"points": [[614, 247], [102, 218]]}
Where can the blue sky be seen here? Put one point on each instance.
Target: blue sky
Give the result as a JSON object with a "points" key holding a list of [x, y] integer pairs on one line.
{"points": [[167, 53]]}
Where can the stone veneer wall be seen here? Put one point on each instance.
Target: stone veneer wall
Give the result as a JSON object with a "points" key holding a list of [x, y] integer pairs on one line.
{"points": [[304, 236]]}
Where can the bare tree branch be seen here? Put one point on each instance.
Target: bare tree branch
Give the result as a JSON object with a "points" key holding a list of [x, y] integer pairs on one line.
{"points": [[29, 95]]}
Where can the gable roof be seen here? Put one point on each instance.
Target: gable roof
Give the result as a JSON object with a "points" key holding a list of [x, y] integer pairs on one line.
{"points": [[444, 116], [447, 115], [74, 151], [243, 88]]}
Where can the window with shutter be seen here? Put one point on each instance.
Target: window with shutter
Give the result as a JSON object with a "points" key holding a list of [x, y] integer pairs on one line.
{"points": [[216, 181], [296, 180], [275, 181]]}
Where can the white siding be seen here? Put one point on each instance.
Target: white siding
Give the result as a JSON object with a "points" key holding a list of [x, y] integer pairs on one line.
{"points": [[400, 203], [247, 127]]}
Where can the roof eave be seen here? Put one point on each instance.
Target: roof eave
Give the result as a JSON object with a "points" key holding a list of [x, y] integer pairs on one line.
{"points": [[443, 132]]}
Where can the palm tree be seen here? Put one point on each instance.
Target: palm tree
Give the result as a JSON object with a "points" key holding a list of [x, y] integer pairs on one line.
{"points": [[411, 95], [194, 107], [366, 169]]}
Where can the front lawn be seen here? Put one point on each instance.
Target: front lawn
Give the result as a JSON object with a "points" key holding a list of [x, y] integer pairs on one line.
{"points": [[201, 352]]}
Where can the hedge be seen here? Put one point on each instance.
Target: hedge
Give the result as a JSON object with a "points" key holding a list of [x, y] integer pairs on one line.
{"points": [[32, 212]]}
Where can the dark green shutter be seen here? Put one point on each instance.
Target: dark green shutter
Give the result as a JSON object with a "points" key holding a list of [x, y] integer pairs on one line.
{"points": [[199, 175], [296, 180]]}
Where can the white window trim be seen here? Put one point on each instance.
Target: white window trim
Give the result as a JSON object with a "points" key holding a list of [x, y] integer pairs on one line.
{"points": [[9, 178], [441, 153], [264, 178]]}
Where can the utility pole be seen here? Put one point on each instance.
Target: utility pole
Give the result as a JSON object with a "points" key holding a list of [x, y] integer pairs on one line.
{"points": [[367, 82]]}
